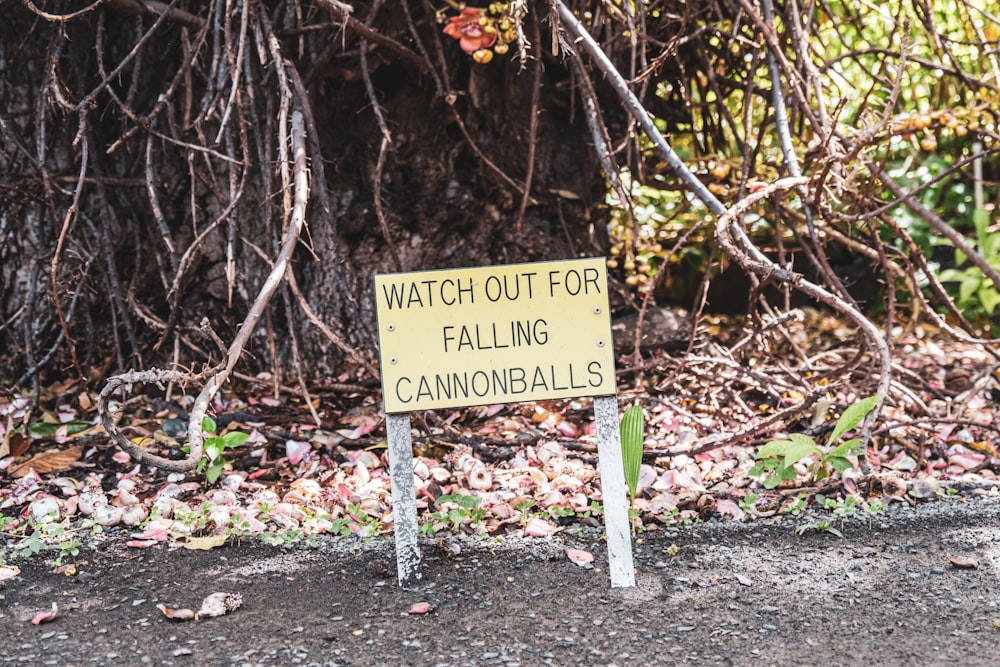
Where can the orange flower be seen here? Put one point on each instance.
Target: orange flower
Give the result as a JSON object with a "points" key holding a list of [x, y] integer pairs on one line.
{"points": [[471, 31]]}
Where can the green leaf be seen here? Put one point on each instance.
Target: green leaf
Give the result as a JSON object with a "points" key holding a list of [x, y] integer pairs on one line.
{"points": [[989, 297], [951, 276], [774, 448], [968, 287], [214, 447], [208, 425], [235, 438], [839, 463], [47, 429], [633, 425], [214, 472], [787, 473], [462, 500], [850, 447], [981, 220], [801, 448], [42, 429], [771, 482], [992, 249], [852, 417]]}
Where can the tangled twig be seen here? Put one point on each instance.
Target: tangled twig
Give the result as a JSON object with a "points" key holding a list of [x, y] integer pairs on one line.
{"points": [[215, 382]]}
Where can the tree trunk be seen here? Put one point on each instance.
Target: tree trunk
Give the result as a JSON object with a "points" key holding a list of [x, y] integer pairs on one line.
{"points": [[140, 167]]}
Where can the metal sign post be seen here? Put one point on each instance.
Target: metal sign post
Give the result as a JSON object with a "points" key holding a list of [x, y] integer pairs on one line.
{"points": [[613, 490], [499, 334], [404, 498]]}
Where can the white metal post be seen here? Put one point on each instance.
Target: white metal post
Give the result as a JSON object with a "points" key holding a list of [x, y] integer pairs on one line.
{"points": [[404, 498], [613, 490]]}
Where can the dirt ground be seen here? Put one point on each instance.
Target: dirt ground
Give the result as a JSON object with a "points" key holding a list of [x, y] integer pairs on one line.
{"points": [[720, 593]]}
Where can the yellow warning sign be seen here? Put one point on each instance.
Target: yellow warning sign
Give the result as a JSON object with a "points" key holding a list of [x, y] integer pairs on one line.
{"points": [[494, 334]]}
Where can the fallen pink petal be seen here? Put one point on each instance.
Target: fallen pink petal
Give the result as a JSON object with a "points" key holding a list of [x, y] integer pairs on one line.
{"points": [[296, 450], [729, 507], [45, 616], [536, 527], [420, 608], [579, 556], [141, 544]]}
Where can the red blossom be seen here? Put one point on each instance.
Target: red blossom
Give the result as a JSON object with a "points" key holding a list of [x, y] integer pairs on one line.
{"points": [[471, 35]]}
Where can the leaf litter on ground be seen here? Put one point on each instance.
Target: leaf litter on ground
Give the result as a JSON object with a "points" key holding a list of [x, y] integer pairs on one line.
{"points": [[529, 468]]}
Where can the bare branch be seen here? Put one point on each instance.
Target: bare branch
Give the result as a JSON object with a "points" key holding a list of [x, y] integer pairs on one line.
{"points": [[196, 437]]}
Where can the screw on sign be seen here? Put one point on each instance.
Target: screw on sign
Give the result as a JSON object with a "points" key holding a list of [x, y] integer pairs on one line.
{"points": [[499, 334]]}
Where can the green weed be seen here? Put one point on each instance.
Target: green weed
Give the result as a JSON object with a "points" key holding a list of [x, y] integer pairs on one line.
{"points": [[213, 463], [776, 460]]}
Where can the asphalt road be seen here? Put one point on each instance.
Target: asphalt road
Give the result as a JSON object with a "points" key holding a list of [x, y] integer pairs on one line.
{"points": [[912, 586]]}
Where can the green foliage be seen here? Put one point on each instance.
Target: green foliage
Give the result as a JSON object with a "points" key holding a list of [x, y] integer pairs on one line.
{"points": [[45, 429], [45, 536], [920, 122], [840, 509], [799, 506], [976, 291], [632, 428], [195, 520], [466, 511], [213, 463], [777, 458], [460, 513]]}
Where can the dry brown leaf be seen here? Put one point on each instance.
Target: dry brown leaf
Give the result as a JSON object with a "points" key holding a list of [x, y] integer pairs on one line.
{"points": [[964, 562], [49, 461], [176, 614], [86, 401], [536, 527], [18, 444], [201, 543], [14, 444], [9, 572]]}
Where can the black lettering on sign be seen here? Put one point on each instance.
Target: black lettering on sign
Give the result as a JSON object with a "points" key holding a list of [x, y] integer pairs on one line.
{"points": [[421, 294], [572, 382], [495, 336], [442, 386], [497, 383], [539, 380], [572, 283], [444, 299], [415, 296], [596, 379], [399, 391], [508, 287], [424, 389], [517, 382]]}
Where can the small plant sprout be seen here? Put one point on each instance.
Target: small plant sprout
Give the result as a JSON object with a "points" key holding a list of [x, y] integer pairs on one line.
{"points": [[776, 460], [213, 463], [466, 513], [633, 425]]}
